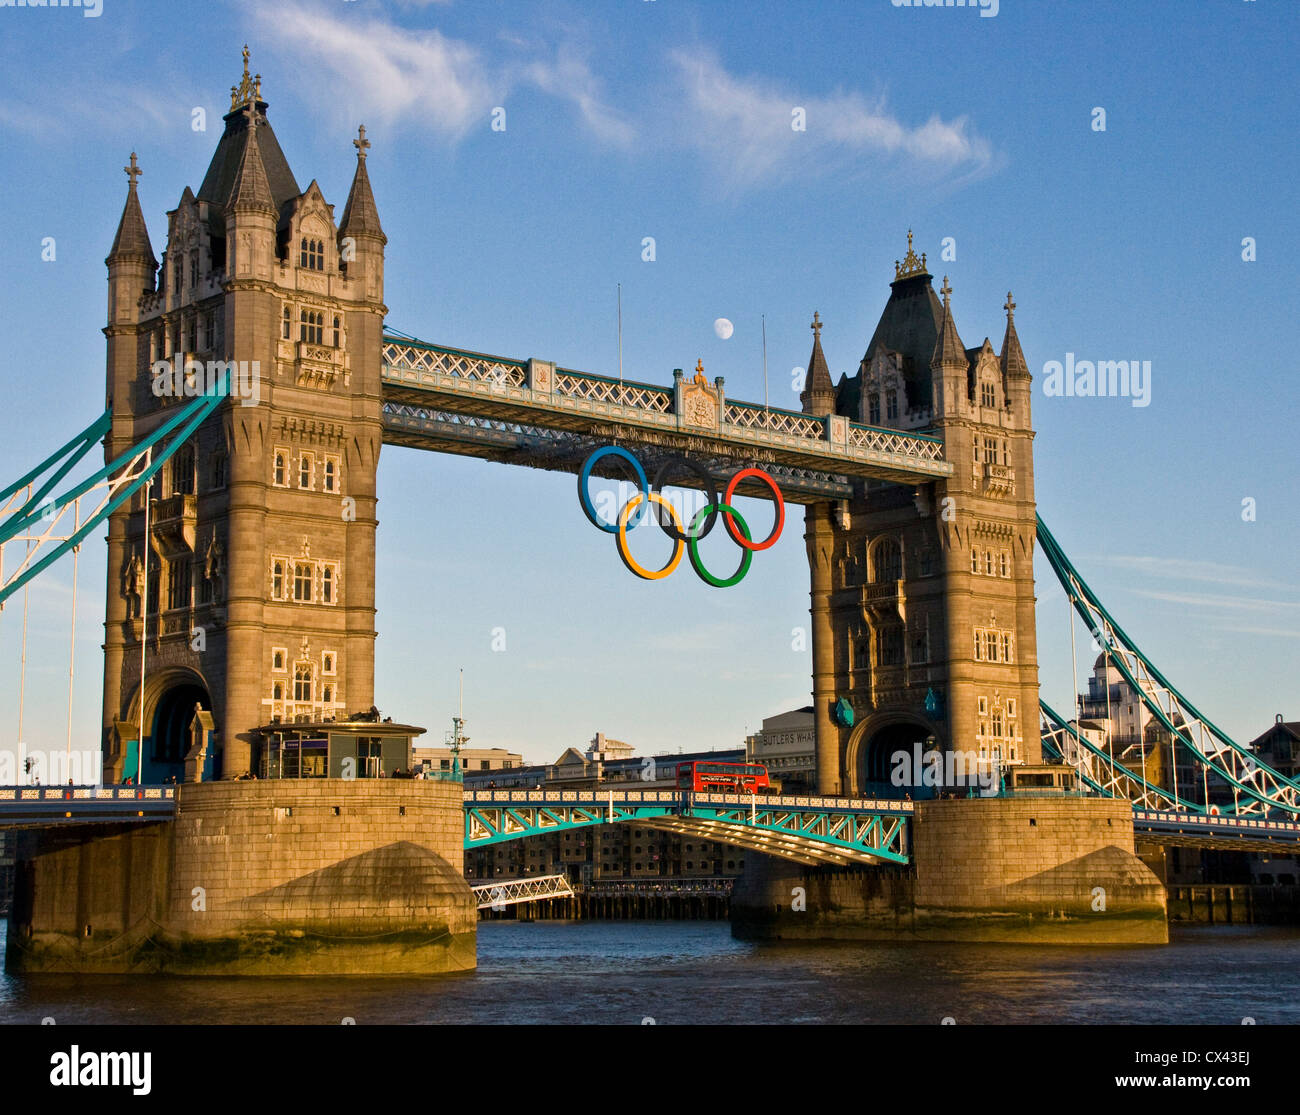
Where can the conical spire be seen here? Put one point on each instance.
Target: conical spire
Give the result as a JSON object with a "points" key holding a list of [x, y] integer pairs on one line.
{"points": [[251, 191], [1013, 357], [818, 396], [948, 349], [132, 239], [360, 215]]}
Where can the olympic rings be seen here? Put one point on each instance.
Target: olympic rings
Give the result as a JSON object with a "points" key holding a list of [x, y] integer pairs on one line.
{"points": [[678, 546], [584, 476], [670, 522], [746, 554]]}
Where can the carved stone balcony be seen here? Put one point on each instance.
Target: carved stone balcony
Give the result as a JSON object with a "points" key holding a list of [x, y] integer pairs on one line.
{"points": [[884, 600], [173, 520], [999, 480]]}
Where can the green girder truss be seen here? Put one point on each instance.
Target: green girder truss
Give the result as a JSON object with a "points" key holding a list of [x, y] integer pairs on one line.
{"points": [[806, 829], [1257, 788], [32, 514]]}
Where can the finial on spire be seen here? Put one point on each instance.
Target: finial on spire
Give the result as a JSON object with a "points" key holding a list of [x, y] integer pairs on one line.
{"points": [[699, 371], [249, 89], [946, 291], [910, 265], [361, 143], [133, 171], [1010, 307], [816, 326]]}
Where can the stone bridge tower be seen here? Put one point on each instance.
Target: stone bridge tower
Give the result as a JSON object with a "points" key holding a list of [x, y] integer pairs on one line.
{"points": [[923, 597], [259, 603]]}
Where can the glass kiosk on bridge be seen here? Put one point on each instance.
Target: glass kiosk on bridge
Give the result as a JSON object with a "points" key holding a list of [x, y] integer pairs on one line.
{"points": [[333, 749]]}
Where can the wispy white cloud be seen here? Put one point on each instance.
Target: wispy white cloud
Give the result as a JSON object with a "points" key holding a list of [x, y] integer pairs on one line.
{"points": [[1185, 569], [388, 72], [744, 126], [1279, 632], [569, 77], [1208, 600]]}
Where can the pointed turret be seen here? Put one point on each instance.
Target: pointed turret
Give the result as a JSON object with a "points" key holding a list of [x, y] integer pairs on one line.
{"points": [[1013, 358], [360, 214], [251, 191], [949, 352], [818, 395], [132, 239]]}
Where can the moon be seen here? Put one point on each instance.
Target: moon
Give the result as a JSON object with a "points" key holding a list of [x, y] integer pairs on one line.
{"points": [[723, 328]]}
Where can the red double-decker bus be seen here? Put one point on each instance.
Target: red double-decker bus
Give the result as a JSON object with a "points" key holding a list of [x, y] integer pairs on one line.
{"points": [[724, 778]]}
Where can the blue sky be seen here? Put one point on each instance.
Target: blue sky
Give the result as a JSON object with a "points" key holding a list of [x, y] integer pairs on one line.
{"points": [[667, 119]]}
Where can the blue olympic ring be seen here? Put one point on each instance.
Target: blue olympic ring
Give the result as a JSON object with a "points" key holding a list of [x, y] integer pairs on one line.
{"points": [[584, 476]]}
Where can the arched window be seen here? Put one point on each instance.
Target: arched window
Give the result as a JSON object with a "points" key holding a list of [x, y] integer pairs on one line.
{"points": [[887, 562], [279, 470], [1004, 564], [327, 585], [1005, 641], [976, 446], [987, 396], [327, 694], [302, 582], [311, 327], [988, 562], [974, 561], [183, 471], [277, 659], [302, 680], [277, 586], [311, 254], [338, 332], [287, 324], [330, 471], [277, 692], [1006, 452], [873, 410], [304, 471], [997, 723]]}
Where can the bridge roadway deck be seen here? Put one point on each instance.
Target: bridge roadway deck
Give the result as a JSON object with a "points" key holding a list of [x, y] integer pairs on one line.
{"points": [[532, 413], [793, 826]]}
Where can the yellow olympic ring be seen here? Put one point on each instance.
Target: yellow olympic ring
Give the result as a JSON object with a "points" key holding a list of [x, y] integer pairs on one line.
{"points": [[679, 547]]}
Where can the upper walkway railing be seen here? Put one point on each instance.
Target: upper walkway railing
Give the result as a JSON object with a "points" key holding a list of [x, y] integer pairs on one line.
{"points": [[434, 395]]}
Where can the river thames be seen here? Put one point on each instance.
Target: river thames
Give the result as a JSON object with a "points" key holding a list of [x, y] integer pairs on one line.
{"points": [[680, 973]]}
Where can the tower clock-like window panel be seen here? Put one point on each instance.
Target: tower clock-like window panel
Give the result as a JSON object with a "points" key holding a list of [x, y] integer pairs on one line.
{"points": [[302, 582]]}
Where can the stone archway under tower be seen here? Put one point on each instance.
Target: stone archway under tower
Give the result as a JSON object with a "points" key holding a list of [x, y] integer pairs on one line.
{"points": [[887, 742], [171, 700]]}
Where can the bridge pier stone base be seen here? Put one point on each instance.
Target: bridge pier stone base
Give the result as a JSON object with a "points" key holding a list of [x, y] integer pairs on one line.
{"points": [[1049, 870], [319, 877]]}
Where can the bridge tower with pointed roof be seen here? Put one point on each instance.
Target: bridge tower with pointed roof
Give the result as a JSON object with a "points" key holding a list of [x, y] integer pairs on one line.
{"points": [[260, 599], [923, 596]]}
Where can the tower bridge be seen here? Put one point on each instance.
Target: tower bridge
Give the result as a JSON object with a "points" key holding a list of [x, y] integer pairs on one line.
{"points": [[240, 612]]}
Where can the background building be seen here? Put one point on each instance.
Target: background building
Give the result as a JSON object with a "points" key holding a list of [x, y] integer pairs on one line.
{"points": [[621, 852], [786, 744]]}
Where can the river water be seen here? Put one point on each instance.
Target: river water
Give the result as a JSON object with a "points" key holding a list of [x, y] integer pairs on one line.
{"points": [[694, 972]]}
